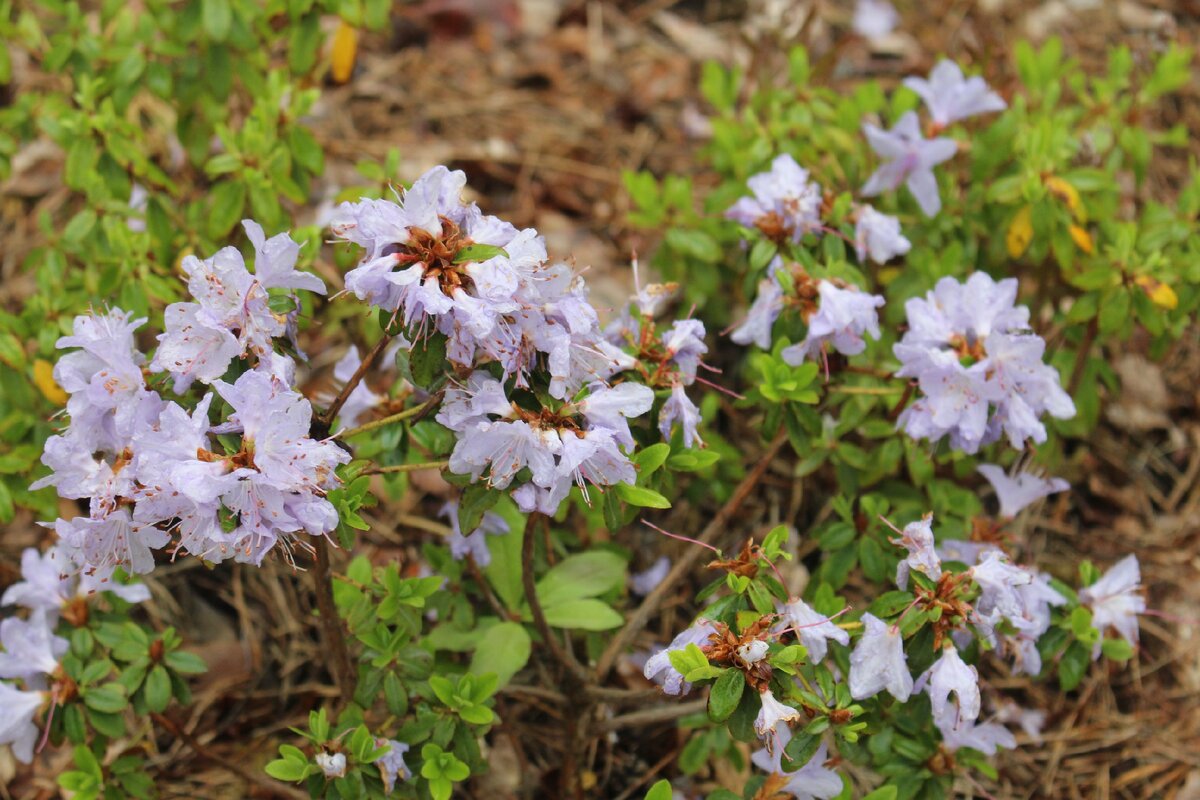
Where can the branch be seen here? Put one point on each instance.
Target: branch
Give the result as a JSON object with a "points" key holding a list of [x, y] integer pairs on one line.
{"points": [[331, 625], [405, 468], [690, 558], [274, 788], [573, 669], [650, 716], [416, 411], [331, 413]]}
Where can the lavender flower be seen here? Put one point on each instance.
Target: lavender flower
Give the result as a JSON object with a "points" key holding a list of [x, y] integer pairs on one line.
{"points": [[950, 97], [231, 315], [643, 583], [333, 765], [1018, 492], [813, 781], [951, 675], [658, 667], [391, 764], [980, 375], [773, 713], [53, 579], [986, 737], [17, 729], [910, 161], [31, 650], [878, 662], [814, 630], [1114, 601], [475, 543], [874, 19], [917, 539], [842, 317], [768, 305], [878, 236], [785, 205], [998, 581], [679, 409]]}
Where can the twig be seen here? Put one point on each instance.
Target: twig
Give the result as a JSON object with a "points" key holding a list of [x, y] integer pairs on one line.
{"points": [[880, 390], [331, 625], [649, 716], [394, 468], [388, 420], [572, 667], [422, 524], [686, 562], [894, 414], [261, 781], [331, 413]]}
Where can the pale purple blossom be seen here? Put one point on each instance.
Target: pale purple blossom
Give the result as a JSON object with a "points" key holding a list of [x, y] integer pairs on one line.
{"points": [[878, 662], [612, 407], [998, 581], [917, 539], [843, 317], [231, 314], [391, 764], [31, 651], [951, 675], [981, 375], [17, 729], [874, 19], [910, 159], [814, 630], [475, 543], [680, 410], [753, 651], [950, 97], [784, 198], [1115, 602], [767, 306], [1021, 490], [986, 737], [333, 765], [658, 667], [50, 580], [773, 713], [643, 583], [813, 781], [502, 448], [877, 236]]}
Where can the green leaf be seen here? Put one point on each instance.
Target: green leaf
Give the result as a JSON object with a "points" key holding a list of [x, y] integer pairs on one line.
{"points": [[477, 499], [800, 750], [660, 791], [1117, 649], [587, 615], [503, 650], [694, 243], [883, 793], [581, 575], [157, 690], [641, 496], [474, 253], [105, 699], [218, 18], [427, 359], [649, 459], [725, 695], [1073, 666], [228, 201]]}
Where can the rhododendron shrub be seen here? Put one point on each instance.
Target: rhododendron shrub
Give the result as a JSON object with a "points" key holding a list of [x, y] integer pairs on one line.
{"points": [[925, 381]]}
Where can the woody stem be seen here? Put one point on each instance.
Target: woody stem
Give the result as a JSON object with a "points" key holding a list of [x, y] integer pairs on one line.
{"points": [[388, 420], [331, 624], [331, 413], [394, 468]]}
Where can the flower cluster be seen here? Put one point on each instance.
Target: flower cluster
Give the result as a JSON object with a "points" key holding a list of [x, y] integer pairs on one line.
{"points": [[232, 313], [980, 371], [148, 466], [910, 157], [584, 441], [838, 315], [440, 265]]}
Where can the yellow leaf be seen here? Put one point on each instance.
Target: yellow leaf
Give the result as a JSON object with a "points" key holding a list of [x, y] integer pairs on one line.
{"points": [[1082, 239], [1020, 232], [43, 379], [345, 49], [1068, 194], [1159, 293]]}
